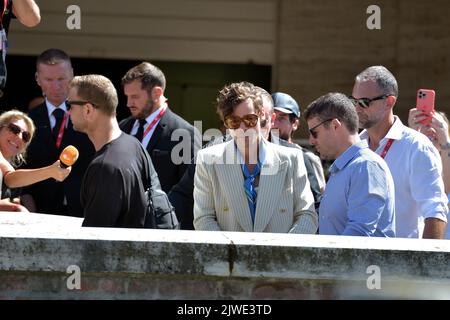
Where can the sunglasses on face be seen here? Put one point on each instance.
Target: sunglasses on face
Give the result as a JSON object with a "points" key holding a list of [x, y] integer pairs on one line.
{"points": [[365, 102], [26, 136], [313, 132], [69, 103], [234, 122]]}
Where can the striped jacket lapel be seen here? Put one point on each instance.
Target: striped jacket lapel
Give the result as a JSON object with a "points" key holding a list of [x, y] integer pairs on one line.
{"points": [[270, 187], [229, 173]]}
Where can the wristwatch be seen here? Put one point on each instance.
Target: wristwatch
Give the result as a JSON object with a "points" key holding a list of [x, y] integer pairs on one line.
{"points": [[445, 146]]}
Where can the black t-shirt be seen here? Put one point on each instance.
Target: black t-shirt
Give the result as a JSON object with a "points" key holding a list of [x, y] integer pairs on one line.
{"points": [[113, 188]]}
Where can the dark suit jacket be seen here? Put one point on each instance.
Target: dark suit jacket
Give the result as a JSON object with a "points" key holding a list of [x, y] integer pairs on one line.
{"points": [[49, 194], [160, 147], [182, 194]]}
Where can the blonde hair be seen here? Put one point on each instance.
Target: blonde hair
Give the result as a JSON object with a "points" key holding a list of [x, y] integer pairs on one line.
{"points": [[98, 90], [8, 117]]}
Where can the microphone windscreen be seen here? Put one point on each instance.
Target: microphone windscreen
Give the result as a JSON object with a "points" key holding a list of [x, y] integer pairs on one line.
{"points": [[68, 156]]}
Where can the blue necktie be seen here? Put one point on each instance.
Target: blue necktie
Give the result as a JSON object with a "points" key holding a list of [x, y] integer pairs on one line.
{"points": [[249, 186]]}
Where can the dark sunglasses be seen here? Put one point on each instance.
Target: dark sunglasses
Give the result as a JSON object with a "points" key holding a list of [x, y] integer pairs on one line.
{"points": [[234, 122], [26, 136], [312, 131], [365, 102], [69, 103]]}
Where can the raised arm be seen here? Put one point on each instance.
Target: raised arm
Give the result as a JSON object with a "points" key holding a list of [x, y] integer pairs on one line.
{"points": [[24, 177], [27, 11]]}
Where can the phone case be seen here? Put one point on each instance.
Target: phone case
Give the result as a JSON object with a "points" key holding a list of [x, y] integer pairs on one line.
{"points": [[425, 102]]}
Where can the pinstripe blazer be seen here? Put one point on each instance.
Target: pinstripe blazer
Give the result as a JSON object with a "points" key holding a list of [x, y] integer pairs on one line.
{"points": [[284, 202]]}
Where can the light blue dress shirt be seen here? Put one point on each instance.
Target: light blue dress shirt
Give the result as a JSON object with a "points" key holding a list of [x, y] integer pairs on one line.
{"points": [[359, 198]]}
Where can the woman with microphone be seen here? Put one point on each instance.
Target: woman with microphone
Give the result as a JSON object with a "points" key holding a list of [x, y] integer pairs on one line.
{"points": [[16, 132]]}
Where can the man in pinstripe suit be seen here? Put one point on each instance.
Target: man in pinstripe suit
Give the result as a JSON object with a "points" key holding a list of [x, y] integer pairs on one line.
{"points": [[248, 184]]}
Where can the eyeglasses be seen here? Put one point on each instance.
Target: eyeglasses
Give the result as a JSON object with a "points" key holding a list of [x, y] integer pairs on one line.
{"points": [[15, 129], [234, 122], [314, 133], [365, 102], [76, 102]]}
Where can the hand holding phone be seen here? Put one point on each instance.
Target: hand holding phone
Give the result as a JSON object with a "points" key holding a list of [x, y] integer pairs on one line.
{"points": [[425, 103]]}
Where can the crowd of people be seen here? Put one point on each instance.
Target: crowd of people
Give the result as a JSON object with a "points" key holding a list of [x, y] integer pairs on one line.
{"points": [[254, 178]]}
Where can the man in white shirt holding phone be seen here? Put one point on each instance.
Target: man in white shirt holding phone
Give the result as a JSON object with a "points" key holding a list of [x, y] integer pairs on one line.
{"points": [[421, 202]]}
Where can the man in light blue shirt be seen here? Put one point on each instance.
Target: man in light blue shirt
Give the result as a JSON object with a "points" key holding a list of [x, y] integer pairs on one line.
{"points": [[359, 198]]}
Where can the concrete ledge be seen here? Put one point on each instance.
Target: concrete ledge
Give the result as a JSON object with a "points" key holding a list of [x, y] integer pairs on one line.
{"points": [[36, 250]]}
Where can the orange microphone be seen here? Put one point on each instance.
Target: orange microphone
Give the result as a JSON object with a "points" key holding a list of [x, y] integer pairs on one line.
{"points": [[68, 156]]}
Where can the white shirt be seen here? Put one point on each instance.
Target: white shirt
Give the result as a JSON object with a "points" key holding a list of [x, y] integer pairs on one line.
{"points": [[149, 119], [51, 108], [416, 167]]}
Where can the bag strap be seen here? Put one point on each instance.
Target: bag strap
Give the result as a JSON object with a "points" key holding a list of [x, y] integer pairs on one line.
{"points": [[148, 183]]}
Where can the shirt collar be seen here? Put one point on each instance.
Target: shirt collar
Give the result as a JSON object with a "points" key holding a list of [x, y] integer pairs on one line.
{"points": [[395, 132], [347, 156], [150, 118], [51, 107]]}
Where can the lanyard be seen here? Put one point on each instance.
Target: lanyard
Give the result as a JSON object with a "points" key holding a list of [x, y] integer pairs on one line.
{"points": [[152, 124], [5, 4], [386, 148], [61, 130]]}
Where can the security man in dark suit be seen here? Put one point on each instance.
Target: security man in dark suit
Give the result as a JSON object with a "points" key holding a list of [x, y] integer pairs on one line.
{"points": [[54, 132], [168, 138]]}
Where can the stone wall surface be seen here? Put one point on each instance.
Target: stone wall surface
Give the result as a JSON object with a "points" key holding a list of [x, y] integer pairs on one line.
{"points": [[38, 254]]}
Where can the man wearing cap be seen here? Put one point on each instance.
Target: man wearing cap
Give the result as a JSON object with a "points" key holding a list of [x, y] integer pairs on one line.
{"points": [[286, 123]]}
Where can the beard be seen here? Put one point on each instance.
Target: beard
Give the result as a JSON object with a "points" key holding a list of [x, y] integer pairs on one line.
{"points": [[146, 111], [365, 122], [281, 135]]}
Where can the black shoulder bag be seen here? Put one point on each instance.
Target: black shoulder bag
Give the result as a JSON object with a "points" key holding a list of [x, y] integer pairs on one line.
{"points": [[160, 212]]}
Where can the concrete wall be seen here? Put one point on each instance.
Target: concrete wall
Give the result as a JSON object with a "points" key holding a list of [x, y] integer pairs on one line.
{"points": [[36, 251]]}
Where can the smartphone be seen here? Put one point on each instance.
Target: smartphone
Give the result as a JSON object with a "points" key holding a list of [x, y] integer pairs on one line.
{"points": [[425, 102]]}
